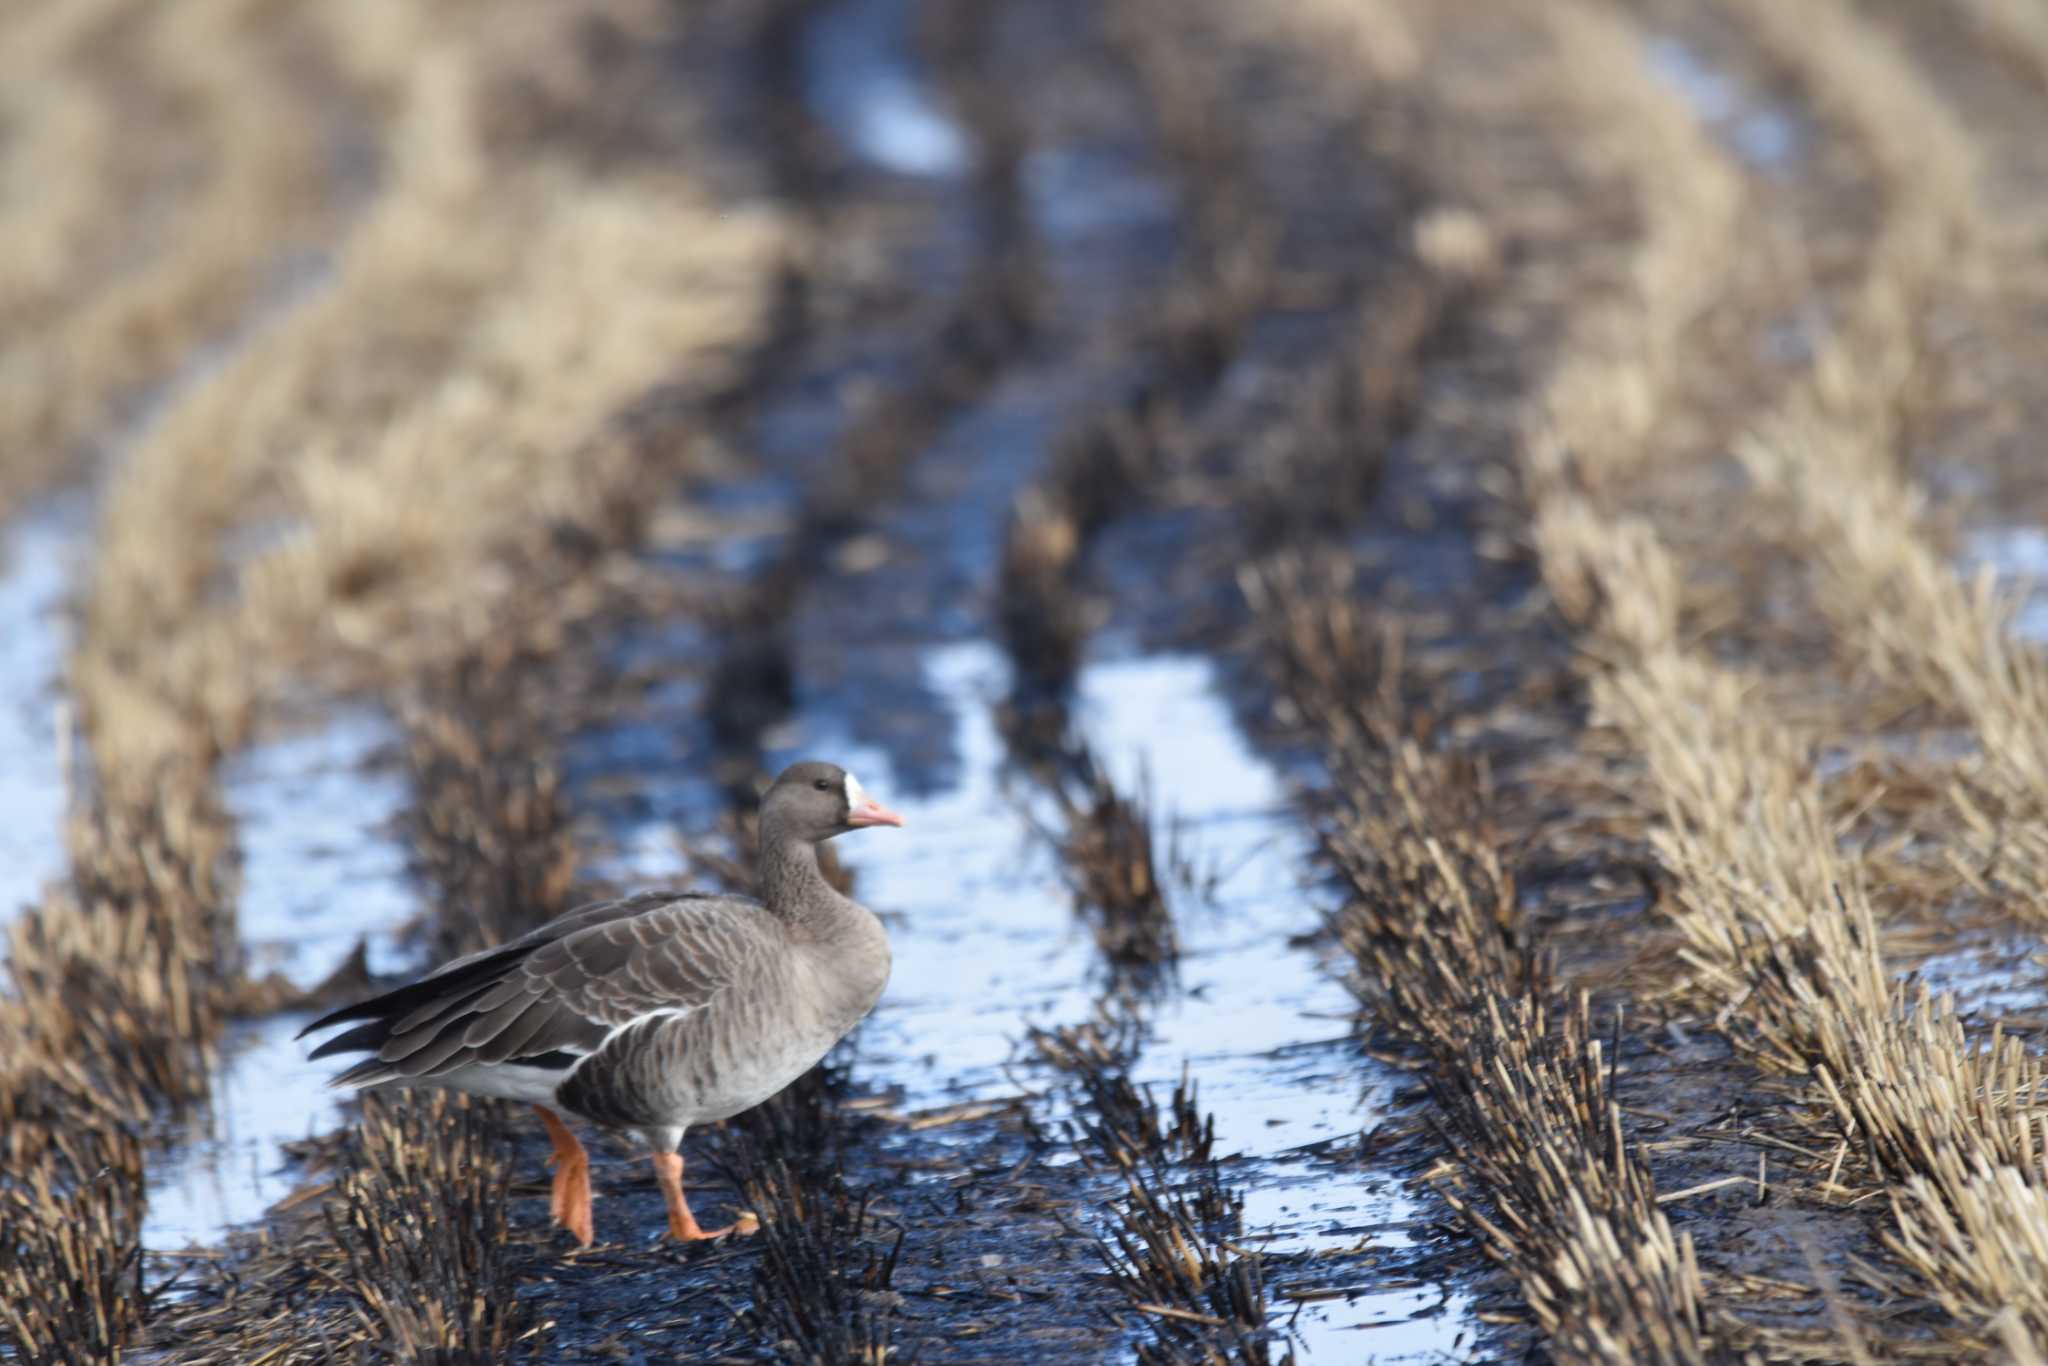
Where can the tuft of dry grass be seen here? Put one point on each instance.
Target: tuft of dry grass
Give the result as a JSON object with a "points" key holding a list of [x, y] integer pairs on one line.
{"points": [[1044, 620], [1174, 1251], [1124, 1123], [822, 1286], [1105, 845], [419, 1215], [488, 819], [1200, 1295], [70, 1247], [118, 986]]}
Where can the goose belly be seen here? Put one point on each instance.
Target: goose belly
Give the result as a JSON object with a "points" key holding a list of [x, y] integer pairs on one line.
{"points": [[692, 1071], [721, 1095]]}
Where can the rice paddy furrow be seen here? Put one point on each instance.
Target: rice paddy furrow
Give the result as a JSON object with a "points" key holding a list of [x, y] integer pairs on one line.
{"points": [[1778, 920]]}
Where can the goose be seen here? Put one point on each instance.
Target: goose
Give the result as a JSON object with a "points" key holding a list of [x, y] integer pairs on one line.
{"points": [[651, 1014]]}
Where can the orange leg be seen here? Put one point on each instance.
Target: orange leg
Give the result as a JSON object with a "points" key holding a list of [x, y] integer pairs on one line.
{"points": [[682, 1225], [570, 1204]]}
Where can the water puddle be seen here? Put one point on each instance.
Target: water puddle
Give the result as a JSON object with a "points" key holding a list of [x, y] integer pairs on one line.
{"points": [[1416, 1323], [229, 1172], [1080, 194], [2002, 979], [38, 555], [632, 817], [1159, 726], [985, 939], [987, 946], [1262, 1026], [2017, 557], [865, 82], [1765, 134], [323, 870]]}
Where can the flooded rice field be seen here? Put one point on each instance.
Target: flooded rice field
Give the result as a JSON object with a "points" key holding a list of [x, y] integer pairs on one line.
{"points": [[1450, 597]]}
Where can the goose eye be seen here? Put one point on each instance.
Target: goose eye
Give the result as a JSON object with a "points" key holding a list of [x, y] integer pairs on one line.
{"points": [[822, 785]]}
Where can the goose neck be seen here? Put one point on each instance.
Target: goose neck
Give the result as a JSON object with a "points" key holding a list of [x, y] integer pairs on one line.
{"points": [[792, 884]]}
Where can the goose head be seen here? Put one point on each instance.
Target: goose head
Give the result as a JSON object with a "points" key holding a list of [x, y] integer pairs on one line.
{"points": [[815, 801]]}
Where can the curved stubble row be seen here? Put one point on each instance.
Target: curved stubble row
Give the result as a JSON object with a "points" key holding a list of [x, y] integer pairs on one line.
{"points": [[1837, 450], [163, 162], [1539, 1166], [340, 504], [1781, 936]]}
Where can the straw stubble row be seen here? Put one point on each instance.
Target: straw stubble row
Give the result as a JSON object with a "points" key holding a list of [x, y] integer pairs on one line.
{"points": [[1780, 933], [1538, 1159]]}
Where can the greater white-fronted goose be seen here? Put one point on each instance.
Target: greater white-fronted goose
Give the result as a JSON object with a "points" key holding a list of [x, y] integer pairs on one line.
{"points": [[653, 1013]]}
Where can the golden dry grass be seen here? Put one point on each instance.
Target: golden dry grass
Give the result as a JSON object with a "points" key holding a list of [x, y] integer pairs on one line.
{"points": [[1614, 383], [2018, 29], [1541, 1168], [1836, 452], [1779, 928], [404, 429], [133, 271]]}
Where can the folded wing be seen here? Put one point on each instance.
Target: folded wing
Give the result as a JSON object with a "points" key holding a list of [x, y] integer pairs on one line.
{"points": [[551, 998]]}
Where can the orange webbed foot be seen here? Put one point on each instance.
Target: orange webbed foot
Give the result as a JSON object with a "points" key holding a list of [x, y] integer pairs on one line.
{"points": [[569, 1200], [682, 1224]]}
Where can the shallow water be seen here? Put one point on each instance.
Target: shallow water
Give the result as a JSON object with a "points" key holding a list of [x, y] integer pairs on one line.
{"points": [[864, 81], [1998, 978], [2017, 559], [323, 866], [38, 555], [1767, 135], [323, 869], [231, 1167]]}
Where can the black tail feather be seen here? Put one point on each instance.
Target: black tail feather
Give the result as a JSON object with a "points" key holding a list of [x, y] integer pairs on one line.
{"points": [[368, 1072], [401, 1001], [364, 1038]]}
